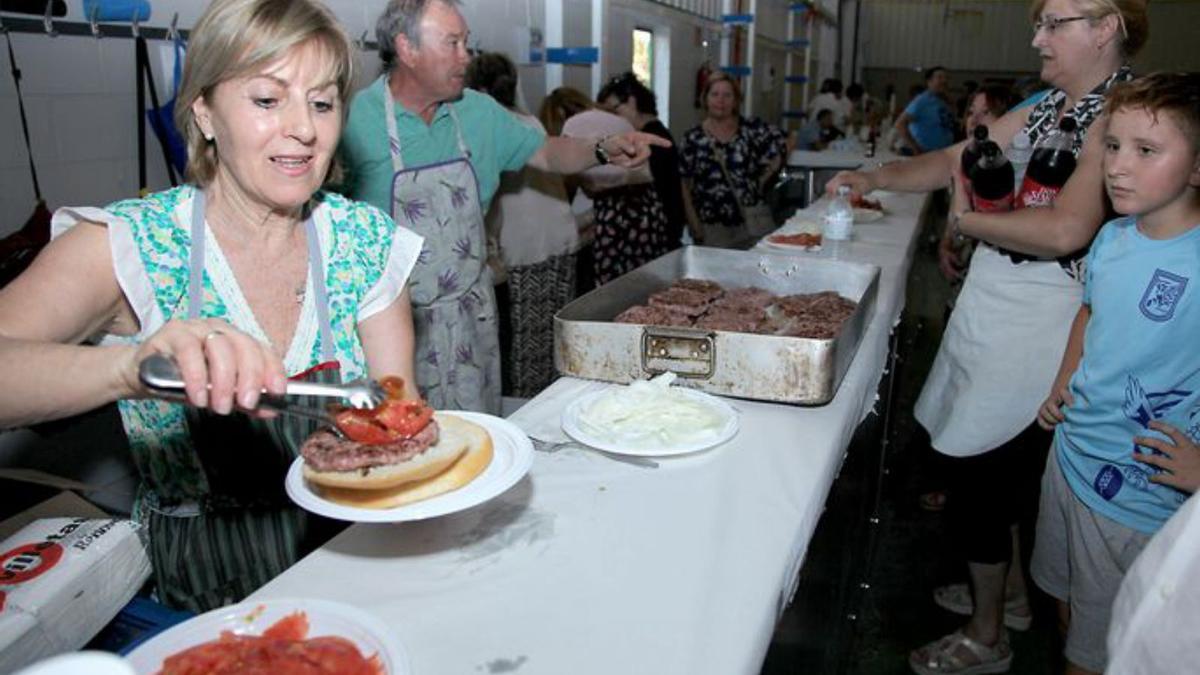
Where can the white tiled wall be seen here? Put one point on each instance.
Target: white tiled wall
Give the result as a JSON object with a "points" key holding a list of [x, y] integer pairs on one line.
{"points": [[80, 100]]}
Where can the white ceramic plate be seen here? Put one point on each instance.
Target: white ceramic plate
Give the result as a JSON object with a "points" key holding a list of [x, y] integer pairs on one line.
{"points": [[867, 215], [571, 425], [512, 456], [325, 617]]}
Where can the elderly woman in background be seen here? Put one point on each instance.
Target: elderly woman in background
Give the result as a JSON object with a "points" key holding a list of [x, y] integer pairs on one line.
{"points": [[532, 230], [630, 225], [626, 96], [727, 161], [246, 276], [1004, 342]]}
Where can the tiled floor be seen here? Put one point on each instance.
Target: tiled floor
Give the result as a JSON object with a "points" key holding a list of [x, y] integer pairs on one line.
{"points": [[897, 613]]}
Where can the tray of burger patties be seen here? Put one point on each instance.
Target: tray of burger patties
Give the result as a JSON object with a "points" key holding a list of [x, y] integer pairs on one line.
{"points": [[738, 323]]}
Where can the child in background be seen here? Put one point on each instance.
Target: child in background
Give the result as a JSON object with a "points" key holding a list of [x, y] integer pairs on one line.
{"points": [[1126, 402]]}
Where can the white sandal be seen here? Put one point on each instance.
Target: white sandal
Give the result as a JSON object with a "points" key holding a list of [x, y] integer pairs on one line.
{"points": [[944, 657], [957, 598]]}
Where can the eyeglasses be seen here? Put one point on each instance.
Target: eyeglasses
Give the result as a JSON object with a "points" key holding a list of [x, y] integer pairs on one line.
{"points": [[1053, 23]]}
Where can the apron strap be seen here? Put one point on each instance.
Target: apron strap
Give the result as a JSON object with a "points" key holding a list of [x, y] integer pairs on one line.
{"points": [[316, 272], [389, 107]]}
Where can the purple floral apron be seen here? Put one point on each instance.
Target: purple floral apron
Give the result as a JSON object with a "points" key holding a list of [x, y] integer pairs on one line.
{"points": [[454, 307]]}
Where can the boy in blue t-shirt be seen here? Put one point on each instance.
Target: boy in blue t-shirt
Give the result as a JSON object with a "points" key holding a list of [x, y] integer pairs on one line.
{"points": [[1126, 402]]}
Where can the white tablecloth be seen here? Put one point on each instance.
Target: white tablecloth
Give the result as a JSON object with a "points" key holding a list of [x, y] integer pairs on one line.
{"points": [[590, 565]]}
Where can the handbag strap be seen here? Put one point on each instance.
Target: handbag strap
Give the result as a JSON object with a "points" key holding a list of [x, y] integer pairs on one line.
{"points": [[16, 75], [719, 155]]}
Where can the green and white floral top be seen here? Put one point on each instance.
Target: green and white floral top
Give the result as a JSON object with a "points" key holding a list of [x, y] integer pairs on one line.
{"points": [[367, 261]]}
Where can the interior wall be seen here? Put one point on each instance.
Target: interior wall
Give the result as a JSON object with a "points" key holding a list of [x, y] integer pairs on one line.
{"points": [[80, 97], [994, 36]]}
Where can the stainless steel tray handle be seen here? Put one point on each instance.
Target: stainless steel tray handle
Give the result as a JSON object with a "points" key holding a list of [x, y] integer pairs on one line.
{"points": [[684, 352]]}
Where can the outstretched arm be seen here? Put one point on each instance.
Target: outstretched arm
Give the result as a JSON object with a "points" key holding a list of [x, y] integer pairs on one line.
{"points": [[930, 171], [567, 155]]}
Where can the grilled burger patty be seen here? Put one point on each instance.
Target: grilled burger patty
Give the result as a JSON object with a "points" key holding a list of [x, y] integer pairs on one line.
{"points": [[325, 451]]}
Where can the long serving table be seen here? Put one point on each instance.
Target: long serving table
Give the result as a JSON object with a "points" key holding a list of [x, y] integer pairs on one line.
{"points": [[591, 565], [809, 162]]}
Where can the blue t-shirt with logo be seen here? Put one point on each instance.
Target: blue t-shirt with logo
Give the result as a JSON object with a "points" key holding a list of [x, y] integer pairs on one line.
{"points": [[1140, 363], [932, 122]]}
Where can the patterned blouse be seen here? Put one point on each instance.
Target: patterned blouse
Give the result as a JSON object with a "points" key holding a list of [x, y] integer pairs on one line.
{"points": [[747, 157], [367, 261]]}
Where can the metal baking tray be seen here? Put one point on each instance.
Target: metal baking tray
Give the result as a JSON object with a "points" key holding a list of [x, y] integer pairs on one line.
{"points": [[588, 344]]}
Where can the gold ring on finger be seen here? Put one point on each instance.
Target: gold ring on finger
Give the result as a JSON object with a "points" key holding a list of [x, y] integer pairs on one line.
{"points": [[212, 334]]}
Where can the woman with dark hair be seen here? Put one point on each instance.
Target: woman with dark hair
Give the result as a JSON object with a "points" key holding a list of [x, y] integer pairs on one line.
{"points": [[625, 95], [629, 220], [532, 239], [727, 161]]}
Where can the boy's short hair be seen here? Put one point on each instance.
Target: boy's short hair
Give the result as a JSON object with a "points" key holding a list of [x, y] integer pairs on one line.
{"points": [[1176, 93]]}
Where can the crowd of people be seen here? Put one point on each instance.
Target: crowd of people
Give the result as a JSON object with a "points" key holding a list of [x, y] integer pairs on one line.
{"points": [[424, 226]]}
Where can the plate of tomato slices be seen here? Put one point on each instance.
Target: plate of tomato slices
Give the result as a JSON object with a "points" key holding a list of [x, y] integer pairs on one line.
{"points": [[279, 636]]}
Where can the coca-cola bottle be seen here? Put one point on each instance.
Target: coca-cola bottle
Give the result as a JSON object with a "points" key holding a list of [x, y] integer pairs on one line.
{"points": [[1049, 168], [992, 181], [973, 150]]}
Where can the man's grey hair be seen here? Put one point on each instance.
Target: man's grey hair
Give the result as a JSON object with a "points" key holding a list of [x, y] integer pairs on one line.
{"points": [[401, 16]]}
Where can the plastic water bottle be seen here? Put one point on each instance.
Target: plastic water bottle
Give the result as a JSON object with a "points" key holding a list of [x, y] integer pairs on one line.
{"points": [[839, 219], [1019, 153]]}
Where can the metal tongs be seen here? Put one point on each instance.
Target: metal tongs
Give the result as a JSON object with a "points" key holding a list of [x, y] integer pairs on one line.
{"points": [[161, 376]]}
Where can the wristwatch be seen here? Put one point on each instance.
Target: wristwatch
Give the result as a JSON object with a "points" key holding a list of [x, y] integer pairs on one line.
{"points": [[601, 153]]}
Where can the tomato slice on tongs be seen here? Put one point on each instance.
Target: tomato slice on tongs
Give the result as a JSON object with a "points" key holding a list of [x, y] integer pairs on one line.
{"points": [[390, 421], [403, 417], [360, 426]]}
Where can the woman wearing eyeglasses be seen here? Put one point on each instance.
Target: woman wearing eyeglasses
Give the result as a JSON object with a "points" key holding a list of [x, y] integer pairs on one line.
{"points": [[1002, 347]]}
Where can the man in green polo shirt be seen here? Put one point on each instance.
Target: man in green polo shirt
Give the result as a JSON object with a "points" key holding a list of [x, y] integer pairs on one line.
{"points": [[429, 153]]}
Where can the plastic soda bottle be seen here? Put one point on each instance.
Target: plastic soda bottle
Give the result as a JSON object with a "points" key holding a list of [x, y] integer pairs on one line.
{"points": [[1050, 166], [992, 185]]}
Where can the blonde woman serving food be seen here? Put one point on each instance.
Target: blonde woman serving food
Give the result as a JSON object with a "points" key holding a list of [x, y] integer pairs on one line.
{"points": [[246, 276]]}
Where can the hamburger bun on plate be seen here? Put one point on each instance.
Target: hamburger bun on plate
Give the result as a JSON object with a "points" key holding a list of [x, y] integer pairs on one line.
{"points": [[397, 453]]}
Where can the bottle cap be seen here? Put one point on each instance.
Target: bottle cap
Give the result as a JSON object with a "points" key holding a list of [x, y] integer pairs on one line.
{"points": [[980, 133], [1067, 125]]}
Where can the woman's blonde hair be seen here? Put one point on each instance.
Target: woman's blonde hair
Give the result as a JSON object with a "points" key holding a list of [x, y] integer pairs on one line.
{"points": [[713, 79], [561, 105], [1131, 16], [235, 38]]}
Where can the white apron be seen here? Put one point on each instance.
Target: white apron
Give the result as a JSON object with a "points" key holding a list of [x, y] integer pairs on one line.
{"points": [[453, 303], [1010, 326]]}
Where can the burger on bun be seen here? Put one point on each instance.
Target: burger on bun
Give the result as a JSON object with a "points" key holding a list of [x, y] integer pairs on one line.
{"points": [[395, 454]]}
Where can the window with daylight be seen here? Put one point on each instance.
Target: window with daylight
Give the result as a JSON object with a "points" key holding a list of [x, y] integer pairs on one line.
{"points": [[643, 56]]}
